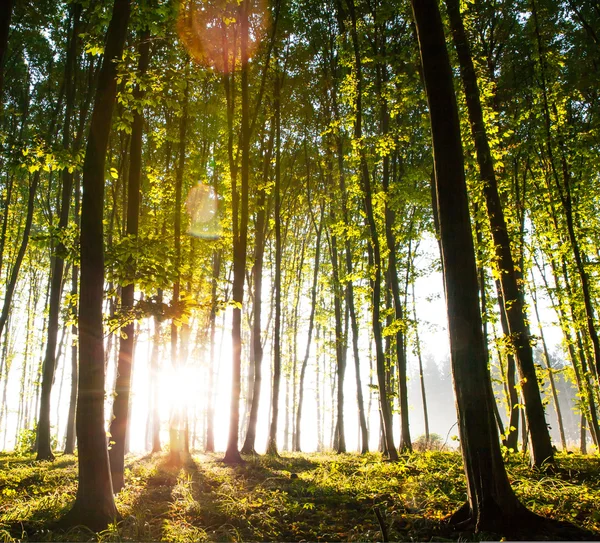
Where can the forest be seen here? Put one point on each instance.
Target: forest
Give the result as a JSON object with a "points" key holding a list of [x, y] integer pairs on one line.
{"points": [[288, 270]]}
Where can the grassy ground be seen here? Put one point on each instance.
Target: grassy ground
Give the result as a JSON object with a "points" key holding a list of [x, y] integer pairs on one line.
{"points": [[298, 497]]}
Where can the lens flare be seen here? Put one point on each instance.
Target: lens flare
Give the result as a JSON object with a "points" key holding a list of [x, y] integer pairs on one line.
{"points": [[201, 206], [210, 30]]}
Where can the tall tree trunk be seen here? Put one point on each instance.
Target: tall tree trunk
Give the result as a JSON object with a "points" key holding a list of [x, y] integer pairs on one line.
{"points": [[5, 15], [491, 501], [14, 274], [120, 421], [70, 437], [340, 435], [511, 439], [386, 414], [232, 454], [561, 429], [210, 433], [296, 445], [564, 190], [154, 388], [44, 450], [272, 439], [259, 251], [364, 447], [94, 504], [420, 359], [513, 302], [177, 438]]}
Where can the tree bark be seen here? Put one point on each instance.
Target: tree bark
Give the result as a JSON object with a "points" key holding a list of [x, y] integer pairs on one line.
{"points": [[6, 9], [296, 444], [232, 454], [44, 450], [259, 252], [120, 420], [491, 501], [386, 414], [94, 505], [272, 439], [177, 430], [513, 303]]}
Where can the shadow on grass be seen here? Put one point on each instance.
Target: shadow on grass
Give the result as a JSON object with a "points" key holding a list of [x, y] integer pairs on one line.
{"points": [[151, 507], [282, 498]]}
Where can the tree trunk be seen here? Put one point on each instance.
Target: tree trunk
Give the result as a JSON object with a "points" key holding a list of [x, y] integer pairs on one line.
{"points": [[340, 436], [154, 388], [177, 430], [232, 454], [272, 439], [491, 501], [561, 429], [210, 433], [5, 16], [296, 445], [513, 303], [564, 190], [511, 439], [420, 358], [70, 437], [376, 250], [94, 505], [44, 450], [120, 420], [259, 252]]}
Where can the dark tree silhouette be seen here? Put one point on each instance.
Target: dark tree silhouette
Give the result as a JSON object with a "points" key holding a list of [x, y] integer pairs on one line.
{"points": [[94, 505]]}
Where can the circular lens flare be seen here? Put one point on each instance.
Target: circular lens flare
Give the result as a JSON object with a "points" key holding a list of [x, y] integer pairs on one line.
{"points": [[211, 30], [201, 206]]}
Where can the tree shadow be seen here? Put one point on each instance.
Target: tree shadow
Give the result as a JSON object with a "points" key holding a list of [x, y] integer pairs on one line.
{"points": [[151, 506]]}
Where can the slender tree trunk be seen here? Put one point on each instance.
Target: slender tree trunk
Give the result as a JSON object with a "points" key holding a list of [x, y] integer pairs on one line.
{"points": [[296, 446], [70, 437], [154, 371], [512, 436], [94, 504], [177, 436], [550, 371], [120, 420], [491, 501], [339, 436], [513, 304], [210, 433], [376, 282], [564, 190], [232, 454], [272, 439], [11, 284], [420, 359], [259, 251], [6, 9], [44, 450], [582, 434]]}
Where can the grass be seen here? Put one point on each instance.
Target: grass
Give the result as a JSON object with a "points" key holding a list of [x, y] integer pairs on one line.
{"points": [[297, 497]]}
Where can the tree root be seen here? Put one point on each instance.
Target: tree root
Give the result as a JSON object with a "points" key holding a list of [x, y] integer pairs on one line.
{"points": [[522, 526]]}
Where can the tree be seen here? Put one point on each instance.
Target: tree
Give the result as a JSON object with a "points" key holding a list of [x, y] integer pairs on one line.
{"points": [[240, 242], [44, 451], [94, 504], [513, 299], [120, 421], [492, 505]]}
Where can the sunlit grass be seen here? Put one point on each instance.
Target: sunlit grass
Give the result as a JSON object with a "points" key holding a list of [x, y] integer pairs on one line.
{"points": [[314, 497]]}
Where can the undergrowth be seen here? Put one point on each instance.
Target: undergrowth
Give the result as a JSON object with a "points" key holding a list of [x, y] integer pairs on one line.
{"points": [[310, 497]]}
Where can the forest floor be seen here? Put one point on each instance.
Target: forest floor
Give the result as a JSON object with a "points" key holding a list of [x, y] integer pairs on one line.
{"points": [[297, 497]]}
